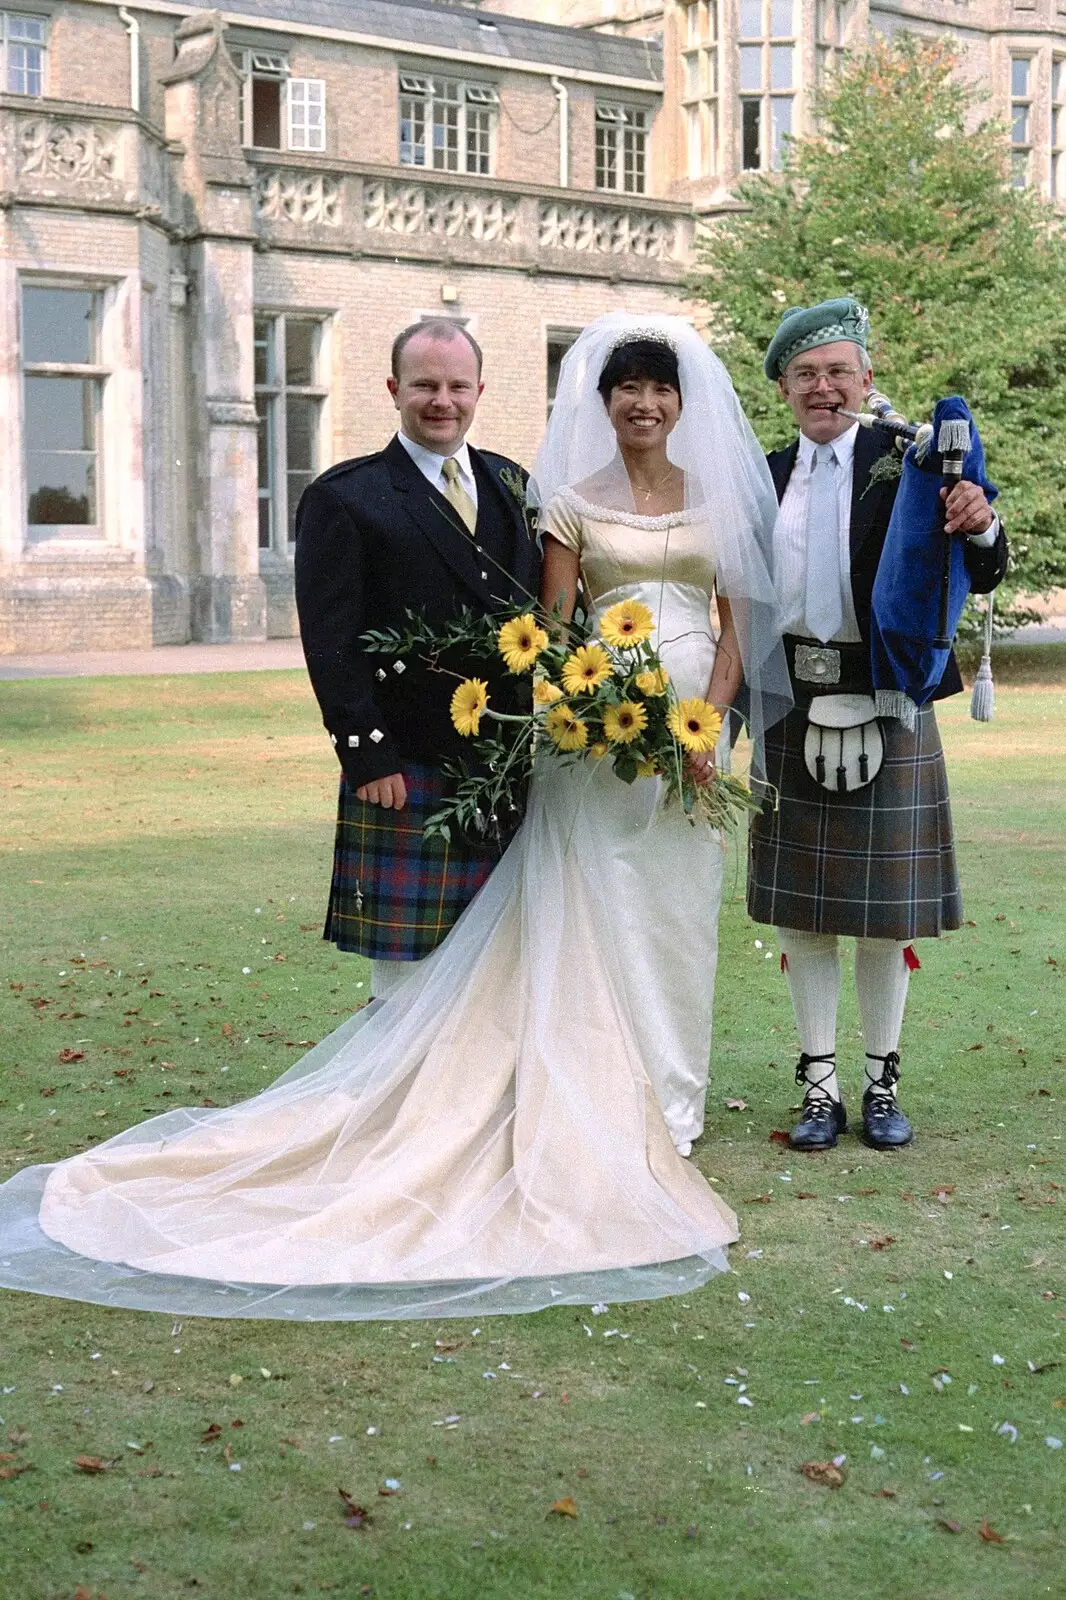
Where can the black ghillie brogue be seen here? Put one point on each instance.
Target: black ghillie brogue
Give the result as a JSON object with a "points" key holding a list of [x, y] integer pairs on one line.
{"points": [[824, 1119], [884, 1126]]}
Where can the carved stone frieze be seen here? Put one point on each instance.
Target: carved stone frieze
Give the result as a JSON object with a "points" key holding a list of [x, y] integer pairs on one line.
{"points": [[58, 148], [595, 230], [415, 208], [302, 197]]}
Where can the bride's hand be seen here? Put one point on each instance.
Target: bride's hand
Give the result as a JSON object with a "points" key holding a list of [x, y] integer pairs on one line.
{"points": [[701, 766]]}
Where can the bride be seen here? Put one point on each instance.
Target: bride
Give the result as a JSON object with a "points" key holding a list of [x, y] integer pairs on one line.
{"points": [[503, 1132]]}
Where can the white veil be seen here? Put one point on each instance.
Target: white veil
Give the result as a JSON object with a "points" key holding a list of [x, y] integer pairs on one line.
{"points": [[727, 483]]}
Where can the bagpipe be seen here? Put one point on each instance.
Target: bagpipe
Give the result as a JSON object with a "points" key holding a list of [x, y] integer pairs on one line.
{"points": [[922, 582]]}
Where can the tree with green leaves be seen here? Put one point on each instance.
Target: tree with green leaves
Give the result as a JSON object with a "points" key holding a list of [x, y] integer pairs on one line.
{"points": [[904, 199]]}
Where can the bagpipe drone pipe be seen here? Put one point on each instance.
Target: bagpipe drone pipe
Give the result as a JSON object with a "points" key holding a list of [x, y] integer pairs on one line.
{"points": [[922, 582]]}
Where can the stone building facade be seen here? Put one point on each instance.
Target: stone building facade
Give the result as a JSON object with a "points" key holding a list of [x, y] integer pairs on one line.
{"points": [[210, 228], [211, 224]]}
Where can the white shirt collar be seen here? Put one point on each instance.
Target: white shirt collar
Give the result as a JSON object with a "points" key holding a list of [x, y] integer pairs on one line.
{"points": [[843, 448], [431, 462]]}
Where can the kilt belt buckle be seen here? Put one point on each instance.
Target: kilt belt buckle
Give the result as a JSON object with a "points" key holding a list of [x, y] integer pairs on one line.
{"points": [[817, 664], [843, 748]]}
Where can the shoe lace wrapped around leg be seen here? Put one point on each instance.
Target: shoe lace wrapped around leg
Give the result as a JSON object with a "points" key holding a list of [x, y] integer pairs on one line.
{"points": [[879, 1096], [818, 1103]]}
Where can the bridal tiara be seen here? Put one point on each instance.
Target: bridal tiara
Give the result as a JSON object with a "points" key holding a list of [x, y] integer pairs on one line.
{"points": [[649, 335]]}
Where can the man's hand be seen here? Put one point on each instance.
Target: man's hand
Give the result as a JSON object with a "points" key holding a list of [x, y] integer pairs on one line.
{"points": [[390, 792], [966, 509]]}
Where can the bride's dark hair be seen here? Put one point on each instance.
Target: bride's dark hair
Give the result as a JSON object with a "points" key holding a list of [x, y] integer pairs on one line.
{"points": [[651, 360]]}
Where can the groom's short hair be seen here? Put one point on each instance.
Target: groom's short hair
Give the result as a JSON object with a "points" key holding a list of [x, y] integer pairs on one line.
{"points": [[443, 328]]}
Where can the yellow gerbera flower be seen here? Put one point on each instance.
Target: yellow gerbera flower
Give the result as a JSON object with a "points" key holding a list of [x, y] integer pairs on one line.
{"points": [[566, 730], [468, 702], [647, 769], [521, 641], [622, 724], [694, 724], [586, 669], [598, 751], [545, 693], [627, 624], [653, 683]]}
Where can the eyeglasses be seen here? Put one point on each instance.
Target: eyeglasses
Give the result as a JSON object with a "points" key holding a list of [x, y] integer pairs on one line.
{"points": [[806, 380]]}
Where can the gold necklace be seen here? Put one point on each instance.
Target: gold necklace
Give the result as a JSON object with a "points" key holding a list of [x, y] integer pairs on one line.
{"points": [[669, 473]]}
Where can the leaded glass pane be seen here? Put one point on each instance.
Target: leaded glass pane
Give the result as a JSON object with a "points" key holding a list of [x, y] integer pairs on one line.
{"points": [[751, 19], [751, 66], [61, 424], [782, 24], [1019, 76], [58, 325], [301, 338], [781, 57], [780, 125], [751, 142]]}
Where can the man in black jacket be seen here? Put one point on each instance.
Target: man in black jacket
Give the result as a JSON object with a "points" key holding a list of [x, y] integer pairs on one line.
{"points": [[427, 525], [861, 842]]}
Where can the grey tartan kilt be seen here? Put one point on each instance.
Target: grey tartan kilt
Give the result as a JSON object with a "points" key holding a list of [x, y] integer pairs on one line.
{"points": [[878, 863]]}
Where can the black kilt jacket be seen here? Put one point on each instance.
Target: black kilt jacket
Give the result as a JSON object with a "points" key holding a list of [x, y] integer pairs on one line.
{"points": [[374, 541], [878, 862]]}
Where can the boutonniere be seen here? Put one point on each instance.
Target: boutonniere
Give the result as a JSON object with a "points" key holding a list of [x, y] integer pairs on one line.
{"points": [[886, 469], [515, 485]]}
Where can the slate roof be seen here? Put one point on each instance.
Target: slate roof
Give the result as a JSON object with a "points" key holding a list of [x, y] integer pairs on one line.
{"points": [[459, 27]]}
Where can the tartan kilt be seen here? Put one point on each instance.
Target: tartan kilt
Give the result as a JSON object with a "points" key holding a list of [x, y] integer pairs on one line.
{"points": [[395, 894], [878, 863]]}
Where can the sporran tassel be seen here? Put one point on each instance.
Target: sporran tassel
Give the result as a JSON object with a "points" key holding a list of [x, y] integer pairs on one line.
{"points": [[983, 699]]}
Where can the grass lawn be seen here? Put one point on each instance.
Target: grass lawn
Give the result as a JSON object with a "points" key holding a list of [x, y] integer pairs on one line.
{"points": [[160, 838]]}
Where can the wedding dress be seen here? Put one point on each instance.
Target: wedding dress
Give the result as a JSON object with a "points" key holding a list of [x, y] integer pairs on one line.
{"points": [[490, 1137]]}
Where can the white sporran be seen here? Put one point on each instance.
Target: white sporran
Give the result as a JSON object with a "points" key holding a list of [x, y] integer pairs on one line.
{"points": [[843, 748]]}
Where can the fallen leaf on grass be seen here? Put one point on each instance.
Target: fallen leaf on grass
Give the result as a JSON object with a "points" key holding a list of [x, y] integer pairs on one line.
{"points": [[989, 1534], [942, 1191], [151, 1472], [736, 1105], [211, 1434], [812, 1416], [948, 1525], [563, 1508], [354, 1516], [826, 1473], [294, 1444], [93, 1464], [882, 1243], [804, 1194], [19, 1436], [7, 1473], [886, 1494], [862, 1194], [68, 1055], [759, 1200], [779, 1136]]}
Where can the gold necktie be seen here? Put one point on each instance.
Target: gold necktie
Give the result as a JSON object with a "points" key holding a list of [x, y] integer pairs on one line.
{"points": [[456, 495]]}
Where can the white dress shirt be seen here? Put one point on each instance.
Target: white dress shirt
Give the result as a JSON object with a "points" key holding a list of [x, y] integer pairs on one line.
{"points": [[431, 465], [790, 538]]}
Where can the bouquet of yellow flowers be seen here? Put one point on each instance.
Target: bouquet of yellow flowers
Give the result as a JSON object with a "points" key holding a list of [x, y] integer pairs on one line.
{"points": [[602, 698]]}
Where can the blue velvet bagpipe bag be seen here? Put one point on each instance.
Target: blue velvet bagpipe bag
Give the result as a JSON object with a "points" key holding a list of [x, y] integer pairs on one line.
{"points": [[908, 652]]}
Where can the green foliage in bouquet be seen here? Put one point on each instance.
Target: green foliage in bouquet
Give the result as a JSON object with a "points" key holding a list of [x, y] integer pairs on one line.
{"points": [[607, 698]]}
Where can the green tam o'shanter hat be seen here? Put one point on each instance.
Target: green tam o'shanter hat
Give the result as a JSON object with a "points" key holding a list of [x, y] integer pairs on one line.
{"points": [[806, 327]]}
